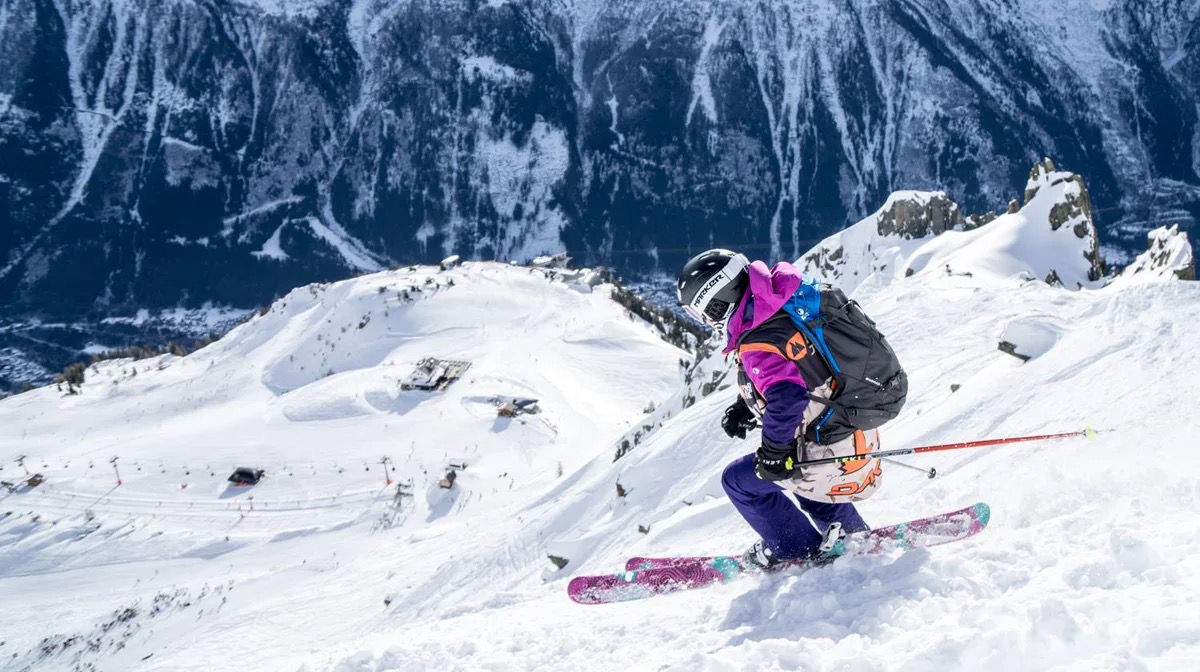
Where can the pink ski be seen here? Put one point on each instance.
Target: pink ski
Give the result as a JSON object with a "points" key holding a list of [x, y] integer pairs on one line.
{"points": [[940, 529], [655, 576]]}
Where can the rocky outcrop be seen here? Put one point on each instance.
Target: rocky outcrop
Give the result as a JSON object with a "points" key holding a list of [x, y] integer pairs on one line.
{"points": [[1037, 178], [1074, 209], [824, 261], [1052, 237], [906, 215], [919, 216], [975, 221], [1169, 255]]}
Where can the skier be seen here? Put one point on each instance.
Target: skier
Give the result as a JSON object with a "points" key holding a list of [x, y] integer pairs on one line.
{"points": [[777, 368]]}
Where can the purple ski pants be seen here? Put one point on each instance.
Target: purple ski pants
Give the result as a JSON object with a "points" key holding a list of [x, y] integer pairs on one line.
{"points": [[770, 511]]}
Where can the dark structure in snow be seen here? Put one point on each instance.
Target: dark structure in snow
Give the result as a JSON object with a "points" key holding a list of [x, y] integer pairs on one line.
{"points": [[1011, 348], [28, 483], [509, 407], [434, 374], [243, 476]]}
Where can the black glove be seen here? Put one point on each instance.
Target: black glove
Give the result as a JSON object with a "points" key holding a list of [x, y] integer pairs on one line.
{"points": [[773, 462], [738, 419]]}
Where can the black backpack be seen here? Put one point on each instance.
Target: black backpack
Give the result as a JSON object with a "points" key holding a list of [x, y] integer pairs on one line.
{"points": [[870, 385]]}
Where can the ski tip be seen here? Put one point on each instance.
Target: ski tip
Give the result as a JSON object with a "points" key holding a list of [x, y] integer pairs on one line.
{"points": [[983, 513]]}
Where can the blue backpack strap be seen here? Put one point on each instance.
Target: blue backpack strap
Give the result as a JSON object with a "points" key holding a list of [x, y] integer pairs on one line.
{"points": [[805, 304], [805, 310]]}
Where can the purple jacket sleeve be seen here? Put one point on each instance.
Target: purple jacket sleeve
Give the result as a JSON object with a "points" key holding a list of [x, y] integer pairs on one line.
{"points": [[778, 381]]}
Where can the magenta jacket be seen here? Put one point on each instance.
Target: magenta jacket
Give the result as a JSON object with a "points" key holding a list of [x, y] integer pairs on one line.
{"points": [[774, 377]]}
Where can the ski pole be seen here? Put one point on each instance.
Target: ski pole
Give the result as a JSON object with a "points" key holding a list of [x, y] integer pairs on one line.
{"points": [[930, 472], [1088, 432]]}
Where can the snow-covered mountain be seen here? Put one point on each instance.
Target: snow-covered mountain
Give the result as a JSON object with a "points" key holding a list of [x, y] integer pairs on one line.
{"points": [[1051, 237], [167, 154], [338, 561], [310, 392]]}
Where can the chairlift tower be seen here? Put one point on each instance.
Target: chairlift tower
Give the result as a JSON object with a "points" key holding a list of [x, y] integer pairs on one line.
{"points": [[384, 461]]}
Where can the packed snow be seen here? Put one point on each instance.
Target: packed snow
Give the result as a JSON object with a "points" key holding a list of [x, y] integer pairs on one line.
{"points": [[1090, 563], [309, 392]]}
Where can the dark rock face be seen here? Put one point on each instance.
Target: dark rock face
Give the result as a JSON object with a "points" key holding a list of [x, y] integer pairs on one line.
{"points": [[917, 218], [170, 153], [911, 216], [1188, 273]]}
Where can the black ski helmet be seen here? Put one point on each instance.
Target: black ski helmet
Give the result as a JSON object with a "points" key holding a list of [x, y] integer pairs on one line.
{"points": [[712, 283]]}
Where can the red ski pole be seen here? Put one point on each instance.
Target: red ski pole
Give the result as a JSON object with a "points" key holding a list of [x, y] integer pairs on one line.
{"points": [[1088, 432]]}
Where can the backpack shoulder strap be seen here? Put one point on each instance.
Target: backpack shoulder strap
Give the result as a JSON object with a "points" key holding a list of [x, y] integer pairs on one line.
{"points": [[770, 336]]}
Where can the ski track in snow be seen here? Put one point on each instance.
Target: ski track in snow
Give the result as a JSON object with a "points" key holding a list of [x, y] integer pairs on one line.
{"points": [[1090, 562]]}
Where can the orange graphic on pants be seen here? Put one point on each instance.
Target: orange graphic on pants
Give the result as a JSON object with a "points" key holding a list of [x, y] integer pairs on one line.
{"points": [[852, 487]]}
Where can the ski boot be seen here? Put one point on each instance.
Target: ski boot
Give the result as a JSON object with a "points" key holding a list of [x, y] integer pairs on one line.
{"points": [[759, 558], [829, 540]]}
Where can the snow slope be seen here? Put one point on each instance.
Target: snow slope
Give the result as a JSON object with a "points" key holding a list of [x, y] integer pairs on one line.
{"points": [[309, 392], [1090, 563]]}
